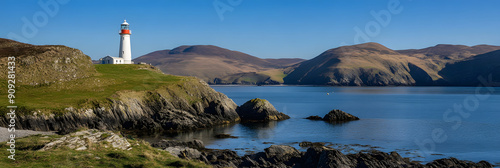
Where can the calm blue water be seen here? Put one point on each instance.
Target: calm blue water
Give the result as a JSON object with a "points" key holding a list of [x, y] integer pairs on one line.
{"points": [[418, 122]]}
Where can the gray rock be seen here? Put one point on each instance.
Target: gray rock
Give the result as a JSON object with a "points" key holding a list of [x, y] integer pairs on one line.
{"points": [[453, 162], [339, 116], [184, 152], [314, 118], [287, 156], [334, 158], [222, 136], [82, 140], [195, 144], [311, 144], [259, 110]]}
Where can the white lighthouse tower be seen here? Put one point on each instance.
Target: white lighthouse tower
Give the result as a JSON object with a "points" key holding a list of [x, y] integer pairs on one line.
{"points": [[125, 54], [125, 49]]}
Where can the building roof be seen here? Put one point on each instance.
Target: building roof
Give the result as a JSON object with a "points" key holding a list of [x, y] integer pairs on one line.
{"points": [[125, 22], [115, 58]]}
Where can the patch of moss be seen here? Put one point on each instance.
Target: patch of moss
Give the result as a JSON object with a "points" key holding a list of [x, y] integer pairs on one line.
{"points": [[257, 100]]}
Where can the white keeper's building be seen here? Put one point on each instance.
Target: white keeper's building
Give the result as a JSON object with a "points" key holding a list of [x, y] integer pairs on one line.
{"points": [[125, 53]]}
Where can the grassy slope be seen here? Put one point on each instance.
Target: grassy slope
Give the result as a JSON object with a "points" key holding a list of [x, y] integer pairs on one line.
{"points": [[141, 155], [77, 93], [275, 74]]}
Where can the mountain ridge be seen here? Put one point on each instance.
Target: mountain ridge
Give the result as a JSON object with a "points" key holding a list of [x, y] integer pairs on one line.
{"points": [[216, 65], [367, 64]]}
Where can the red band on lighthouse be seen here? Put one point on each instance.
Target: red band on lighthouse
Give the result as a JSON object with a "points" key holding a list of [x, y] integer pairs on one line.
{"points": [[125, 31]]}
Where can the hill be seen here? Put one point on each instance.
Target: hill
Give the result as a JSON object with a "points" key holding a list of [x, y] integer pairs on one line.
{"points": [[448, 52], [284, 62], [72, 93], [217, 65], [204, 61], [437, 57], [369, 64], [42, 65], [372, 64], [468, 72]]}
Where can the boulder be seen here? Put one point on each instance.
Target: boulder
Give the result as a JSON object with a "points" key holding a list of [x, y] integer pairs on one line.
{"points": [[184, 152], [259, 110], [305, 144], [274, 156], [314, 118], [82, 140], [195, 144], [453, 162], [339, 116], [222, 136]]}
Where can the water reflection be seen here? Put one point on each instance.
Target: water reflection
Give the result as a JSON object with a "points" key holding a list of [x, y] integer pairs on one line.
{"points": [[205, 135], [258, 130]]}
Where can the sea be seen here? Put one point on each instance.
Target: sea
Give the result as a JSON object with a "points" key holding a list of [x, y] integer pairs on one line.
{"points": [[422, 123]]}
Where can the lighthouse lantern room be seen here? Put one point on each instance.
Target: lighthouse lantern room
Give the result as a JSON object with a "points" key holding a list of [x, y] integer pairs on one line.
{"points": [[125, 54]]}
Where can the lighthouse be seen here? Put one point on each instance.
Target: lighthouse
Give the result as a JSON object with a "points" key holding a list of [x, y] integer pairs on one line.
{"points": [[125, 54], [125, 49]]}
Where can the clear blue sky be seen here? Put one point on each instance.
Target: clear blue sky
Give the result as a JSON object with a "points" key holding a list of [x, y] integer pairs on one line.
{"points": [[263, 28]]}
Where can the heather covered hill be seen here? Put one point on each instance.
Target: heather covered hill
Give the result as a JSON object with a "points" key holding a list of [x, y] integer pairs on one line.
{"points": [[369, 64], [207, 62]]}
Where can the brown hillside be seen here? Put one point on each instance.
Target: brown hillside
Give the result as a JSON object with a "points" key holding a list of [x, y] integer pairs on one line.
{"points": [[207, 62], [438, 56], [468, 72], [369, 64]]}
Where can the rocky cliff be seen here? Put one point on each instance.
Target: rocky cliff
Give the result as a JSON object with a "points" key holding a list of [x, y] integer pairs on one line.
{"points": [[164, 109]]}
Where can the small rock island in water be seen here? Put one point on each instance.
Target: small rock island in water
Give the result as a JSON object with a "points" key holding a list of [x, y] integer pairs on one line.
{"points": [[335, 116], [259, 110]]}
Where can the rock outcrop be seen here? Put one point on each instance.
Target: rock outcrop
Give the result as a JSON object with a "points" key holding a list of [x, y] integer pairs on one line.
{"points": [[259, 110], [82, 140], [314, 118], [339, 116], [316, 156], [44, 64], [454, 162], [195, 144], [189, 105]]}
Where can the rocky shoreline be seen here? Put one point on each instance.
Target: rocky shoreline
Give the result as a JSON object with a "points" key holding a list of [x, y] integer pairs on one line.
{"points": [[316, 155]]}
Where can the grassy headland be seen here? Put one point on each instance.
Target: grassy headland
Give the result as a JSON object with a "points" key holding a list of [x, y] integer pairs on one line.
{"points": [[108, 80]]}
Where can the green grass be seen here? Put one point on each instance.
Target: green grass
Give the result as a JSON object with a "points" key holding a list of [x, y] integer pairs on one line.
{"points": [[96, 89], [141, 155], [275, 74]]}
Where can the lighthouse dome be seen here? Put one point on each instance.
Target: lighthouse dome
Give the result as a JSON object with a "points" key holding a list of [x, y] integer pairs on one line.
{"points": [[125, 22]]}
